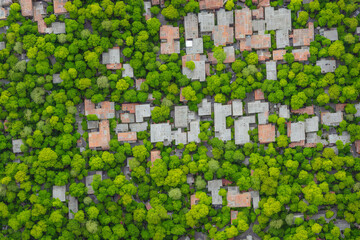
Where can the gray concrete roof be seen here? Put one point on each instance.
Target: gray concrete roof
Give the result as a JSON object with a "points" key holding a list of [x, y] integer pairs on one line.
{"points": [[220, 114], [122, 127], [332, 119], [160, 132], [128, 71], [326, 65], [142, 111], [204, 108], [58, 27], [345, 138], [282, 38], [278, 19], [225, 17], [214, 187], [73, 206], [312, 124], [193, 134], [206, 21], [191, 26], [59, 192], [271, 72], [237, 107], [241, 131], [284, 111], [17, 143], [194, 46], [138, 127], [297, 132], [257, 107], [181, 116], [56, 78], [93, 124]]}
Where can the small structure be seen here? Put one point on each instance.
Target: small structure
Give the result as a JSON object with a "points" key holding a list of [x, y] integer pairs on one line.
{"points": [[243, 23], [258, 107], [147, 7], [345, 138], [128, 71], [129, 137], [142, 111], [357, 146], [73, 206], [193, 200], [331, 34], [214, 188], [237, 199], [271, 72], [155, 154], [237, 107], [122, 128], [59, 192], [225, 17], [112, 59], [312, 124], [242, 127], [284, 111], [326, 65], [181, 116], [233, 215], [57, 79], [282, 38], [204, 108], [26, 8], [262, 41], [277, 19], [297, 132], [306, 110], [89, 180], [198, 73], [331, 119], [258, 13], [138, 83], [210, 4], [100, 139], [194, 46], [138, 127], [206, 21], [301, 55], [59, 6], [255, 199], [58, 27], [278, 55], [17, 143], [168, 35], [127, 117], [191, 26], [193, 134], [266, 133], [93, 124], [220, 114], [103, 110]]}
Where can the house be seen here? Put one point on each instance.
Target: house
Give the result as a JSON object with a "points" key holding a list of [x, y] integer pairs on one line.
{"points": [[191, 26], [282, 38], [266, 133], [225, 17], [206, 21], [193, 134], [263, 55], [340, 107], [129, 107], [179, 137], [309, 110], [237, 107], [277, 19], [127, 117], [122, 128], [284, 111], [26, 8], [57, 79], [237, 199], [89, 179], [73, 206], [331, 34], [230, 55], [138, 83], [297, 132], [210, 4], [181, 116], [59, 192], [345, 138], [214, 188], [92, 125], [326, 65], [17, 143], [220, 114], [204, 108], [243, 23], [223, 35], [258, 26], [39, 10], [259, 95], [59, 6], [271, 72], [258, 107], [103, 110], [312, 124], [129, 137], [357, 146], [169, 36], [58, 27], [303, 37], [258, 13], [242, 127], [142, 111], [2, 45], [160, 132], [261, 41], [100, 139], [331, 119], [112, 58], [301, 55], [278, 55], [154, 154], [245, 44], [199, 71], [190, 179], [128, 71], [147, 13], [194, 46], [157, 2], [138, 127]]}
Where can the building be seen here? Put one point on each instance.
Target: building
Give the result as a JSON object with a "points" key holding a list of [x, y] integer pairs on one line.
{"points": [[278, 55], [237, 107], [194, 46], [266, 133], [73, 206], [223, 35], [128, 71], [129, 137], [17, 143], [255, 199], [103, 110], [193, 200], [193, 134], [237, 199], [243, 23], [214, 188], [303, 37], [282, 38], [122, 128], [263, 55], [204, 108], [242, 127], [127, 117], [59, 192], [160, 133], [258, 107], [312, 124], [191, 26], [179, 137], [138, 127], [181, 116], [297, 132], [258, 13], [233, 215], [271, 72], [100, 139], [306, 110], [142, 111], [26, 8], [326, 65], [169, 36], [155, 154], [220, 114], [199, 71], [345, 138], [210, 4], [89, 179], [277, 19], [57, 79], [59, 6], [206, 21], [331, 119], [147, 13], [301, 55], [112, 58], [261, 41], [92, 125], [225, 17], [331, 34], [284, 111], [58, 27]]}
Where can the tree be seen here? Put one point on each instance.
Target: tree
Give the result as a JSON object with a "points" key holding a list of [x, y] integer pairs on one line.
{"points": [[252, 58], [153, 26], [336, 49], [175, 194], [170, 12], [140, 153], [47, 158], [303, 18], [190, 65], [323, 99], [160, 114]]}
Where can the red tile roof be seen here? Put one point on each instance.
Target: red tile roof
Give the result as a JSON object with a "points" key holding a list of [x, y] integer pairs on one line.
{"points": [[297, 144], [26, 8], [259, 95], [127, 137], [309, 110], [157, 2], [264, 3], [261, 41], [357, 146], [266, 133], [169, 33], [155, 154], [210, 4], [239, 200], [243, 23], [301, 55], [258, 13], [193, 200], [59, 6], [223, 35], [102, 138], [106, 111], [245, 45], [303, 37], [340, 107], [278, 55], [263, 55], [129, 107]]}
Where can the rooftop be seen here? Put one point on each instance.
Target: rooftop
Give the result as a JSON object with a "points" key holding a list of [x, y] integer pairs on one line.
{"points": [[210, 4], [59, 192], [237, 199], [59, 6], [100, 139], [243, 23], [112, 58], [26, 8], [223, 35], [266, 133], [169, 34], [191, 26], [160, 132], [326, 65], [331, 119], [127, 137], [261, 41], [301, 55], [103, 110], [303, 37]]}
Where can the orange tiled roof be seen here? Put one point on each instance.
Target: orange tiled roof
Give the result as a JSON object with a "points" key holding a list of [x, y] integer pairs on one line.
{"points": [[223, 35], [148, 206], [190, 57], [266, 133], [258, 13], [210, 4], [264, 3], [169, 33], [129, 107], [114, 66], [26, 8], [303, 37], [261, 41], [102, 138], [59, 6], [278, 55], [340, 107], [40, 21], [259, 95], [228, 59], [155, 154], [301, 55], [357, 146], [239, 200], [297, 144], [127, 137], [106, 111], [245, 45], [243, 23], [226, 182], [263, 55], [309, 110], [157, 2], [193, 200]]}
